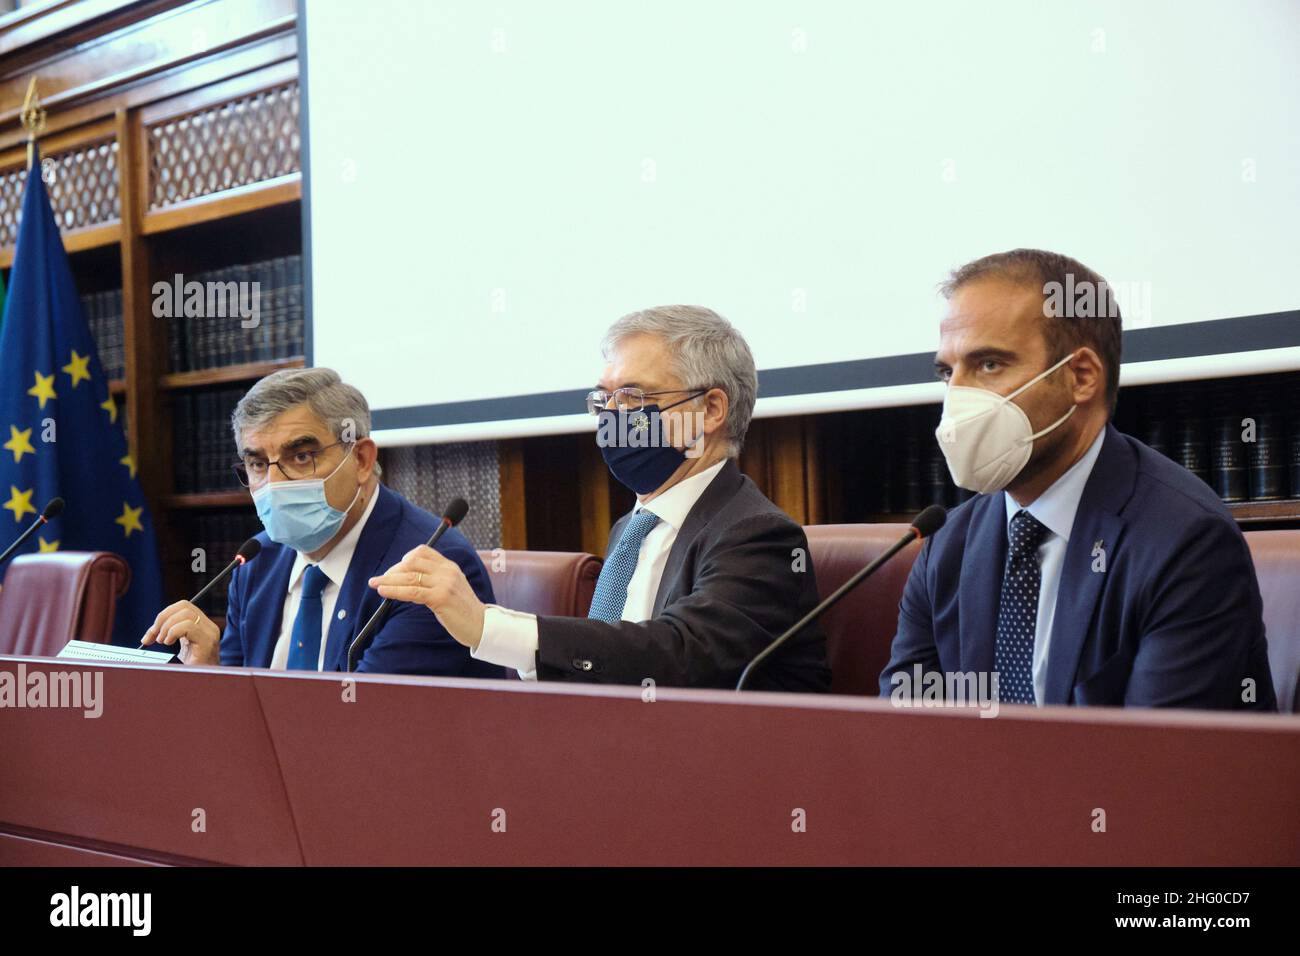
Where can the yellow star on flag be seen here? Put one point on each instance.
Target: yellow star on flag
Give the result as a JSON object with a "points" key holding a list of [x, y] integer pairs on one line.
{"points": [[109, 406], [129, 519], [129, 462], [77, 368], [20, 502], [20, 443], [43, 389], [47, 546]]}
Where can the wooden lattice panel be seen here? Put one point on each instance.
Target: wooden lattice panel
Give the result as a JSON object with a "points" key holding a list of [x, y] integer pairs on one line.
{"points": [[82, 184], [243, 141]]}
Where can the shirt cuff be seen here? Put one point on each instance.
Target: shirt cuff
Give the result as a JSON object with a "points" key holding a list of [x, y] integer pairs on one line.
{"points": [[509, 639]]}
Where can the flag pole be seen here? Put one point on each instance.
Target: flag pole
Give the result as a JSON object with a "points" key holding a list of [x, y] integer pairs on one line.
{"points": [[33, 120]]}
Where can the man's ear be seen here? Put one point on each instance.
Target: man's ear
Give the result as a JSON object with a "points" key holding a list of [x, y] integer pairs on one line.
{"points": [[1089, 375], [366, 453], [715, 410]]}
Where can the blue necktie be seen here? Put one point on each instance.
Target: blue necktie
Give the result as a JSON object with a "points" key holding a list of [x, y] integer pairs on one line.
{"points": [[611, 587], [304, 644], [1018, 610]]}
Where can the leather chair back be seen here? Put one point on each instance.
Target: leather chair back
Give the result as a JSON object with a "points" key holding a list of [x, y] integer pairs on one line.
{"points": [[860, 629], [1277, 566], [50, 599], [550, 583]]}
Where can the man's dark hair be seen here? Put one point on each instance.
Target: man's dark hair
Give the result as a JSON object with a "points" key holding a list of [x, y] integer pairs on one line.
{"points": [[1071, 319]]}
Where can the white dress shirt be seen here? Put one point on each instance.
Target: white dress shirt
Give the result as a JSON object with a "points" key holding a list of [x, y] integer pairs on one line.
{"points": [[1055, 509], [335, 566], [510, 637]]}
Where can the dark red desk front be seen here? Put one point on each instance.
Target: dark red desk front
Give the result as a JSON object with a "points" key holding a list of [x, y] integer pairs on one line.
{"points": [[257, 767]]}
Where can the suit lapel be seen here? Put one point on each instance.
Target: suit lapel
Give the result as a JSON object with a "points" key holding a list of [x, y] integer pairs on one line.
{"points": [[721, 489], [981, 583], [372, 545], [268, 613], [1096, 524]]}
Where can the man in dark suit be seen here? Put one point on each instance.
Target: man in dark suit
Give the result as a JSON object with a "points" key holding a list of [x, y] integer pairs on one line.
{"points": [[306, 456], [702, 575], [1089, 569]]}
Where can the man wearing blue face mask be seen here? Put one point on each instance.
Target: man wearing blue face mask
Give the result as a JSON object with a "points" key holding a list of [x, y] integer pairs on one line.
{"points": [[1090, 569], [704, 572], [306, 456]]}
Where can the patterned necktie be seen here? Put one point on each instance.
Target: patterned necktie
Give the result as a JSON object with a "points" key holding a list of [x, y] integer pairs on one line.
{"points": [[304, 643], [1018, 611], [611, 586]]}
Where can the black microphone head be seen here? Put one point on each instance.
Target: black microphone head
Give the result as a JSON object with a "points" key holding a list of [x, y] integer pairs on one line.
{"points": [[456, 511], [249, 549], [929, 521], [53, 509]]}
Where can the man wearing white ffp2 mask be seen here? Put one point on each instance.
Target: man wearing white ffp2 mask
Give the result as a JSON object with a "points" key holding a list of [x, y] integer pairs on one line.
{"points": [[986, 438], [1089, 569]]}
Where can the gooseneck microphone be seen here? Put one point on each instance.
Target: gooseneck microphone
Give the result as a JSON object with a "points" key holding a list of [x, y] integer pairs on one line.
{"points": [[927, 523], [52, 511], [453, 516], [247, 552]]}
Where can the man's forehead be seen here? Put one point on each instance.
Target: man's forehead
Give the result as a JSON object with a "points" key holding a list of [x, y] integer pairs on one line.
{"points": [[290, 425], [994, 309], [639, 359]]}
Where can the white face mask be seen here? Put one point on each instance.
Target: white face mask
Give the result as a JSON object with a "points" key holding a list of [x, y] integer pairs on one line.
{"points": [[986, 437]]}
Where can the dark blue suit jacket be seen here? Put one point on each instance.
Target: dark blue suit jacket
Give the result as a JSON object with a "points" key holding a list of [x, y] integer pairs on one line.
{"points": [[1173, 620], [411, 641]]}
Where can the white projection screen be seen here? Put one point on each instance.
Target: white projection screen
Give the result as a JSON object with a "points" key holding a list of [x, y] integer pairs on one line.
{"points": [[489, 185]]}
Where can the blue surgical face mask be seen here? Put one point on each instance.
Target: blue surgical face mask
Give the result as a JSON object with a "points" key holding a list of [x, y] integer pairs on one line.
{"points": [[297, 514], [634, 447]]}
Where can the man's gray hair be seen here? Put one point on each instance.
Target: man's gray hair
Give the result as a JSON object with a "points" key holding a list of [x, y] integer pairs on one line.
{"points": [[707, 352], [333, 401]]}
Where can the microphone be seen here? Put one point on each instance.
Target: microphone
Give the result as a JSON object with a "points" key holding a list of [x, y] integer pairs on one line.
{"points": [[453, 516], [247, 552], [927, 523], [52, 511]]}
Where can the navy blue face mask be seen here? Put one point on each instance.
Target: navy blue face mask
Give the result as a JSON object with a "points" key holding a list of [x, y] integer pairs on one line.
{"points": [[634, 447]]}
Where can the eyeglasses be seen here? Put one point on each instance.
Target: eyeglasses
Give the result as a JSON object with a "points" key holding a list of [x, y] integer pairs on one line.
{"points": [[627, 399], [298, 464]]}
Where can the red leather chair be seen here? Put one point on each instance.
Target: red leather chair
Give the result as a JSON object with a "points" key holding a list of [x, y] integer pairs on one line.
{"points": [[555, 583], [860, 629], [50, 599], [1277, 566]]}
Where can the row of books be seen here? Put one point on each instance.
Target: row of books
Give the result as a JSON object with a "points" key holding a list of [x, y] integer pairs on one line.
{"points": [[244, 313], [104, 316], [203, 450], [1240, 436], [219, 534]]}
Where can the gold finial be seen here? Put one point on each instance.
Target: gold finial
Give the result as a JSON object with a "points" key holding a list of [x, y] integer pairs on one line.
{"points": [[33, 119]]}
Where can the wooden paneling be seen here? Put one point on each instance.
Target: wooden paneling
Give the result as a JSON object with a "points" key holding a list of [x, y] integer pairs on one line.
{"points": [[781, 455], [514, 504]]}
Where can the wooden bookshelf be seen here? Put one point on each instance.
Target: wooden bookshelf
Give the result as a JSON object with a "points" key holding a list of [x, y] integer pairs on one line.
{"points": [[1266, 512], [76, 240], [180, 159], [223, 205], [244, 372]]}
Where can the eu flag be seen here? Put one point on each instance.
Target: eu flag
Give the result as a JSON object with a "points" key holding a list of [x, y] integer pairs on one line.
{"points": [[60, 430]]}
